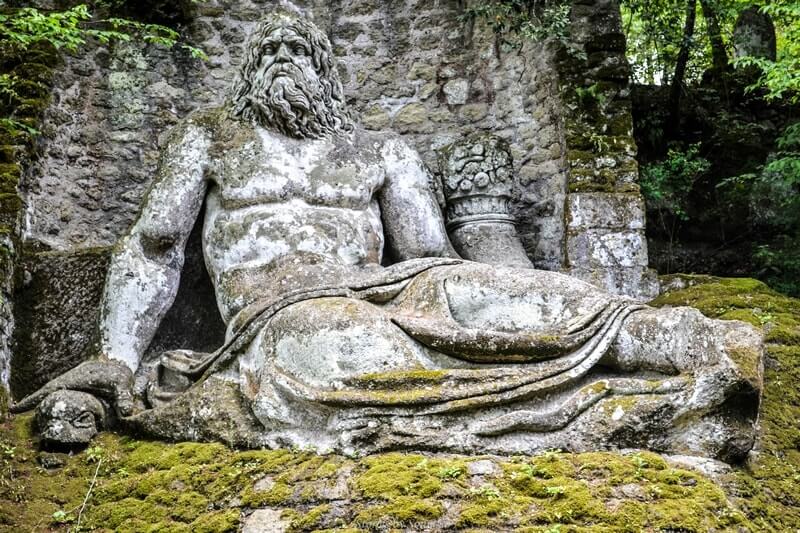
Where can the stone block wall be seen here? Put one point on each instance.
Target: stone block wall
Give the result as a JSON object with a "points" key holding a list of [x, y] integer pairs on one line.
{"points": [[409, 66], [605, 241]]}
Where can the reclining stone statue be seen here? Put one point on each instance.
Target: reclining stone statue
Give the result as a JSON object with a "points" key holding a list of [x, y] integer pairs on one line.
{"points": [[352, 323]]}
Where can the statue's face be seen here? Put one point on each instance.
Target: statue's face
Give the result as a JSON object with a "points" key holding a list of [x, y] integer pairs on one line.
{"points": [[288, 82], [69, 418], [285, 53]]}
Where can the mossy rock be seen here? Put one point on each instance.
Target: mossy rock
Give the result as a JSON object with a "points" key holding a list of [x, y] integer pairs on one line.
{"points": [[155, 486], [768, 488]]}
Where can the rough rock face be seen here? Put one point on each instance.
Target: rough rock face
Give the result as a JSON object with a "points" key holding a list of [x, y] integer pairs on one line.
{"points": [[754, 35]]}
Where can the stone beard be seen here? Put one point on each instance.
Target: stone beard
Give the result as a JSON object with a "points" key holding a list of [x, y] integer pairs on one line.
{"points": [[298, 98]]}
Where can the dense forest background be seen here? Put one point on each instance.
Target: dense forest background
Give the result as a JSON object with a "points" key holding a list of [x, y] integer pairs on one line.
{"points": [[715, 94], [716, 119]]}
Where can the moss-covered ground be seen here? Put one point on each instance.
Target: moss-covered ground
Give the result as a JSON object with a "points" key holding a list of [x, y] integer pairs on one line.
{"points": [[768, 488], [153, 486]]}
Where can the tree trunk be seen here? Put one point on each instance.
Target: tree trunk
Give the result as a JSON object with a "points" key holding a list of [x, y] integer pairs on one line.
{"points": [[719, 56], [680, 68]]}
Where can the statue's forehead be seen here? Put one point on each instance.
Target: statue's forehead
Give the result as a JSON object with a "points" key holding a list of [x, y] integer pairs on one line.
{"points": [[285, 34]]}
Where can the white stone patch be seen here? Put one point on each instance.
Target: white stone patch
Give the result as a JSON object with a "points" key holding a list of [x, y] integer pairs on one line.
{"points": [[456, 91], [265, 521], [618, 413], [327, 355]]}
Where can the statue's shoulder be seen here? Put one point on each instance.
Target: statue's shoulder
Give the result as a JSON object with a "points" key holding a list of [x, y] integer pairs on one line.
{"points": [[225, 130]]}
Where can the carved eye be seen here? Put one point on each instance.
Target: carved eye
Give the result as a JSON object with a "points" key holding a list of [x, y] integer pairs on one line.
{"points": [[84, 420], [270, 49], [299, 50]]}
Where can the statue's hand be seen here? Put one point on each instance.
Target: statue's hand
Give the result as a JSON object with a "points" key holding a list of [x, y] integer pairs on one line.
{"points": [[107, 380]]}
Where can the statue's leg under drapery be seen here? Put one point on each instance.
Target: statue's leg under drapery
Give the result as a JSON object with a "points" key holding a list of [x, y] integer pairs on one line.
{"points": [[324, 357]]}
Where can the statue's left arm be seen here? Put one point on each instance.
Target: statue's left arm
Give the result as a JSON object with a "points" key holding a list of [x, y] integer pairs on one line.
{"points": [[143, 275], [412, 221]]}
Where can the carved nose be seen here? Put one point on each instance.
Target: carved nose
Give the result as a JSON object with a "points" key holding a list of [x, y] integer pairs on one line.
{"points": [[283, 54]]}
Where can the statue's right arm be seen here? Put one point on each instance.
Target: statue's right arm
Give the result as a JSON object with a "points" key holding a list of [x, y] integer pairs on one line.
{"points": [[146, 263]]}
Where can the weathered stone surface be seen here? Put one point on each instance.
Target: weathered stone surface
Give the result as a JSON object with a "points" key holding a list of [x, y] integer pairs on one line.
{"points": [[265, 521], [478, 181], [70, 418], [754, 35], [56, 311], [587, 211], [642, 281], [600, 152], [605, 248]]}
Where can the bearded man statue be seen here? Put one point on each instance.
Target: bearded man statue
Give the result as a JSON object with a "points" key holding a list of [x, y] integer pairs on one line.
{"points": [[353, 325], [298, 99]]}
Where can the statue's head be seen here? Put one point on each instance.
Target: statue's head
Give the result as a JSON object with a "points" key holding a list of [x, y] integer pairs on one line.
{"points": [[70, 418], [288, 81]]}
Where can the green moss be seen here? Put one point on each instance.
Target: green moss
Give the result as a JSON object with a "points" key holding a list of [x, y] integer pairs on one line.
{"points": [[121, 514], [10, 203], [279, 493], [582, 184], [481, 513], [3, 404], [152, 486], [403, 509], [403, 377], [393, 475], [9, 177], [217, 522], [620, 124], [767, 487], [307, 520]]}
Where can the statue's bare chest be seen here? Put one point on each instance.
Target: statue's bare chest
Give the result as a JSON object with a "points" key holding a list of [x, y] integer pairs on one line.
{"points": [[267, 169]]}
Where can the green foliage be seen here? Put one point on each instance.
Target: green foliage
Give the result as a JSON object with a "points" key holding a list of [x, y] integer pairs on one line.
{"points": [[61, 29], [779, 264], [26, 29], [786, 165], [591, 95], [781, 78], [516, 21], [666, 184], [772, 193], [451, 472], [70, 29], [655, 32]]}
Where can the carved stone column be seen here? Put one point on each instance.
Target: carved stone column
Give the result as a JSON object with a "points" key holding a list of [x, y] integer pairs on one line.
{"points": [[478, 180]]}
